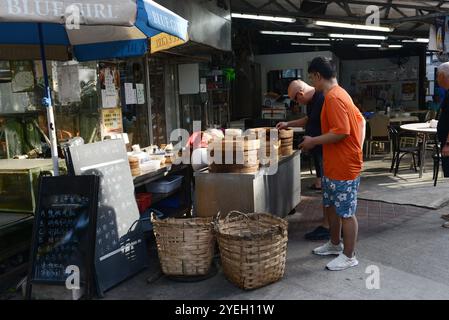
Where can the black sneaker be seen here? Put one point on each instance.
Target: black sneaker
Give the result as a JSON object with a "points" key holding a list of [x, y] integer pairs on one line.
{"points": [[320, 233]]}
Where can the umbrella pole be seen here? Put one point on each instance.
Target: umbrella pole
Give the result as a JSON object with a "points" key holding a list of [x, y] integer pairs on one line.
{"points": [[49, 104]]}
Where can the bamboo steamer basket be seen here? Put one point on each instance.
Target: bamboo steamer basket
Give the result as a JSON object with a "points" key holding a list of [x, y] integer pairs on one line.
{"points": [[286, 136], [185, 246], [134, 164], [286, 133], [253, 248], [244, 152], [268, 145]]}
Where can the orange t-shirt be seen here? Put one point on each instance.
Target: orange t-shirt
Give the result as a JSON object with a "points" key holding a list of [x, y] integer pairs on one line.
{"points": [[343, 160]]}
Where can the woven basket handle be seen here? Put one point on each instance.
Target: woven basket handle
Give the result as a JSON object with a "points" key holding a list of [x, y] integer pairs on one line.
{"points": [[235, 213], [153, 216]]}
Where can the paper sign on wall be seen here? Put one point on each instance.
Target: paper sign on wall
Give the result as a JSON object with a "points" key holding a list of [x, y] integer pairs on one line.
{"points": [[109, 78], [140, 90], [130, 94], [22, 76], [109, 83], [108, 101], [69, 84]]}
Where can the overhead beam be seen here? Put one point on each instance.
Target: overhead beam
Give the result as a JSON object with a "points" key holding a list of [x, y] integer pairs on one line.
{"points": [[294, 6], [397, 5], [320, 7], [387, 11], [277, 4], [426, 18], [249, 5]]}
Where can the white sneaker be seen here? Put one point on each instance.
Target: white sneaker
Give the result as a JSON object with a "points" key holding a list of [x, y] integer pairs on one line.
{"points": [[342, 262], [329, 249]]}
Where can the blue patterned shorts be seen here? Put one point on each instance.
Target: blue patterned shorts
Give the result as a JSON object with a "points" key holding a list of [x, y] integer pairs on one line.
{"points": [[342, 195]]}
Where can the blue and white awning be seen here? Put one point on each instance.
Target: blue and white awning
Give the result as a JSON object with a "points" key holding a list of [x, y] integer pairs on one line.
{"points": [[95, 29]]}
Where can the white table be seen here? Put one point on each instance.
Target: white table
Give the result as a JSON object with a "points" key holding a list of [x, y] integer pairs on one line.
{"points": [[425, 130]]}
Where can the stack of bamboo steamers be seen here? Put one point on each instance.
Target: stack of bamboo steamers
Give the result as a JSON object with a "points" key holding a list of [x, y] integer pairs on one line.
{"points": [[286, 137], [225, 156], [244, 154]]}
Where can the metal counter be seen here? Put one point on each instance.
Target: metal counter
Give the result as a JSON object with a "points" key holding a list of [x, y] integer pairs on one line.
{"points": [[277, 194]]}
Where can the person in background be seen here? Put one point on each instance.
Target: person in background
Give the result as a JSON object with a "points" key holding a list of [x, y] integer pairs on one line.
{"points": [[343, 134], [303, 94], [443, 124]]}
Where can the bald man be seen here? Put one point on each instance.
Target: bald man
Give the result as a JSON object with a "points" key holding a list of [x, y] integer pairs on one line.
{"points": [[304, 94], [443, 123]]}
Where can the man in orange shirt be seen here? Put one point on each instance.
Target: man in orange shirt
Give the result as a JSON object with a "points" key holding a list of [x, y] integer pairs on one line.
{"points": [[343, 134]]}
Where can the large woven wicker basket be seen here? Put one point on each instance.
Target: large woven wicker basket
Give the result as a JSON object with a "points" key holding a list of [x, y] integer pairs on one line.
{"points": [[253, 248], [185, 246]]}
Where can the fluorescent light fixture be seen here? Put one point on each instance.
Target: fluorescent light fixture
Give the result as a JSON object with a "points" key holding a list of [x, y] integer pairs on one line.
{"points": [[264, 18], [319, 39], [391, 46], [417, 40], [368, 46], [288, 33], [311, 44], [352, 26], [356, 36]]}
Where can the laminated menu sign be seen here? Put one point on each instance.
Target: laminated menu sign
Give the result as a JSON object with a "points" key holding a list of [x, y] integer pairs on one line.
{"points": [[22, 73], [64, 231], [111, 121], [120, 249]]}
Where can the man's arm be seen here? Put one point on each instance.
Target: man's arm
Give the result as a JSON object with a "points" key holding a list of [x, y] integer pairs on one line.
{"points": [[296, 123], [328, 138]]}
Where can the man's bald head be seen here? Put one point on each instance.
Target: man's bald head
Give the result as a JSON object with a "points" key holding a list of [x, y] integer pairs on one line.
{"points": [[300, 91], [443, 75], [295, 87]]}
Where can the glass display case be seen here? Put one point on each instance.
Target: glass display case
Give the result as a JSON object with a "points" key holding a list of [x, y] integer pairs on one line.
{"points": [[19, 183]]}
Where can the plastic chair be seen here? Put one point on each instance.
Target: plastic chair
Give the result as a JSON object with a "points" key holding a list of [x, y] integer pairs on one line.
{"points": [[400, 149], [378, 132]]}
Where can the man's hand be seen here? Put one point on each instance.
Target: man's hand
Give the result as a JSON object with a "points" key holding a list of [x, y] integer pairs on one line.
{"points": [[445, 151], [307, 144], [282, 125]]}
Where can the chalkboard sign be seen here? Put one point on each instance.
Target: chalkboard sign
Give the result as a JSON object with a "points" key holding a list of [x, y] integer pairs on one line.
{"points": [[120, 249], [64, 230]]}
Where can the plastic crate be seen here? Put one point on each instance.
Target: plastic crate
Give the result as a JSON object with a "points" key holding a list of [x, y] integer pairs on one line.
{"points": [[144, 201], [166, 185], [173, 202]]}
